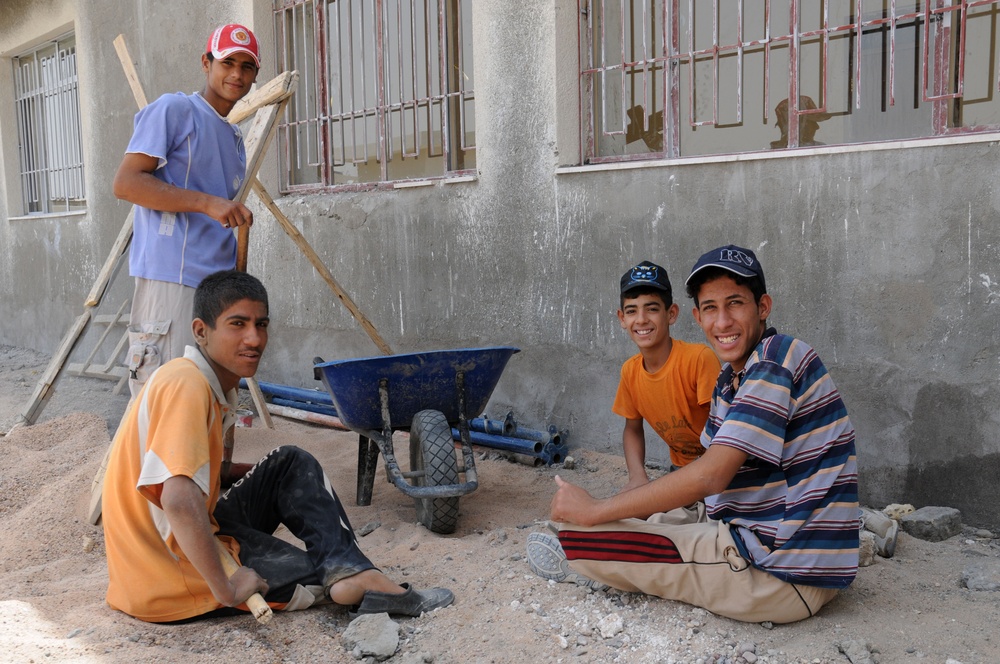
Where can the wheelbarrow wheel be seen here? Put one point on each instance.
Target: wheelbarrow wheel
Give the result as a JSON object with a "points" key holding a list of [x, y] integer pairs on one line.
{"points": [[432, 450]]}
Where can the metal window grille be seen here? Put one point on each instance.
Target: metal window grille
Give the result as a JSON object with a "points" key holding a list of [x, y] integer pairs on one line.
{"points": [[385, 91], [47, 105], [673, 78]]}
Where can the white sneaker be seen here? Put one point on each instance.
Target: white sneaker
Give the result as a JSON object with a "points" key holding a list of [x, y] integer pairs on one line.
{"points": [[547, 559], [886, 530]]}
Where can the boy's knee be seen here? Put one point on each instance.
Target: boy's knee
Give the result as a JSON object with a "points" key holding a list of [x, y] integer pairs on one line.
{"points": [[292, 456]]}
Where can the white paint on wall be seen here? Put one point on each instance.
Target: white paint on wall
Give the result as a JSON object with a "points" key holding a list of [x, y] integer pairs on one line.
{"points": [[658, 215], [968, 256], [991, 286]]}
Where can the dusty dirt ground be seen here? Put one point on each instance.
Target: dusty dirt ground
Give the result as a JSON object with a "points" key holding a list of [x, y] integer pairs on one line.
{"points": [[911, 608]]}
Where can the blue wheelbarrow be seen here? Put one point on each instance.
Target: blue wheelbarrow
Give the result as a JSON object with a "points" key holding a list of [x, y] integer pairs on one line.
{"points": [[426, 394]]}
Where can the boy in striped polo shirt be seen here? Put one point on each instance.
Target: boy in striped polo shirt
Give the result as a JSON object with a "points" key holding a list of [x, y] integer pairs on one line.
{"points": [[779, 479]]}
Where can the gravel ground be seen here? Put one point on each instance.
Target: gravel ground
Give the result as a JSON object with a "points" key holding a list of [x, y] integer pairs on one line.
{"points": [[913, 607]]}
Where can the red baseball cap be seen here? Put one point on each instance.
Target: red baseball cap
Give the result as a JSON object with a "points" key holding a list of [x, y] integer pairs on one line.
{"points": [[231, 38]]}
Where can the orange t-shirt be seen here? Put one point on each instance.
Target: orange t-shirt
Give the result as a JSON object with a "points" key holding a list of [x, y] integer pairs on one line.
{"points": [[174, 428], [674, 400]]}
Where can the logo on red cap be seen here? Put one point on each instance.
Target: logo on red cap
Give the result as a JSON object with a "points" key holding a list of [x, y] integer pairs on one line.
{"points": [[233, 38]]}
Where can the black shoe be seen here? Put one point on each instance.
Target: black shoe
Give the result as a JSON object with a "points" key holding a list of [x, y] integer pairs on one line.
{"points": [[410, 603]]}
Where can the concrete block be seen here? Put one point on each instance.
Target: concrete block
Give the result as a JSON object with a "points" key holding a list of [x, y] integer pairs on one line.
{"points": [[981, 575], [933, 524], [372, 635]]}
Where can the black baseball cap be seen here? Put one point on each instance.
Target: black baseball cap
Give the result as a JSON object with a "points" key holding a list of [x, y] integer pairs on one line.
{"points": [[646, 274], [732, 259]]}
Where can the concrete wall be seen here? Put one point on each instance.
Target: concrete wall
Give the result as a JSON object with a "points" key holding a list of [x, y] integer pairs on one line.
{"points": [[883, 260]]}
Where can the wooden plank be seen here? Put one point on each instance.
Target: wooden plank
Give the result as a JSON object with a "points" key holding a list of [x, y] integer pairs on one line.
{"points": [[278, 88], [125, 234], [123, 241], [112, 262], [257, 142], [130, 73], [116, 353], [114, 373], [307, 416], [44, 390], [313, 258], [104, 335], [112, 319], [260, 402], [97, 488]]}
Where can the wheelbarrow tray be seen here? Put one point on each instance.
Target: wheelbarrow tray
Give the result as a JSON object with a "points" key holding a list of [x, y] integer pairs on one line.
{"points": [[376, 395], [416, 381]]}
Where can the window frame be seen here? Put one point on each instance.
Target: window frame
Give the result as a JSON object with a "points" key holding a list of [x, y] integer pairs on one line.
{"points": [[452, 101], [673, 57], [49, 129]]}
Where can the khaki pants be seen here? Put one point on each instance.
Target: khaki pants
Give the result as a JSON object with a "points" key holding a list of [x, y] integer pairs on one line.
{"points": [[159, 327], [695, 561]]}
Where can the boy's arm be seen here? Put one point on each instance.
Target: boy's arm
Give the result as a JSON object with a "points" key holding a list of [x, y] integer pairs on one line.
{"points": [[135, 183], [233, 471], [706, 476], [634, 446], [230, 472], [184, 505]]}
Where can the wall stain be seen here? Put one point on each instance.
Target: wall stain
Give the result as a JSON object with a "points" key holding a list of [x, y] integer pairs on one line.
{"points": [[948, 465]]}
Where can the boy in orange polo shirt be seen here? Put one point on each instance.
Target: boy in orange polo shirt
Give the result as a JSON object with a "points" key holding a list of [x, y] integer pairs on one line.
{"points": [[166, 513]]}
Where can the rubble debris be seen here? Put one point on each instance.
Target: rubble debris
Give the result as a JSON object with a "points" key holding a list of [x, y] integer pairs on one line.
{"points": [[933, 524]]}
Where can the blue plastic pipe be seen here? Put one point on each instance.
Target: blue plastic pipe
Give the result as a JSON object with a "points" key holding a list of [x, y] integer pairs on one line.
{"points": [[551, 436], [305, 405], [495, 427], [293, 393], [554, 453], [518, 445]]}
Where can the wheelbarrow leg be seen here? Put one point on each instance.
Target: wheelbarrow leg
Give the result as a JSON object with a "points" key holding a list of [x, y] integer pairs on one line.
{"points": [[367, 462]]}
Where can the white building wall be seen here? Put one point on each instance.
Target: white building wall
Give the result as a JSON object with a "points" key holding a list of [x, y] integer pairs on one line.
{"points": [[883, 260]]}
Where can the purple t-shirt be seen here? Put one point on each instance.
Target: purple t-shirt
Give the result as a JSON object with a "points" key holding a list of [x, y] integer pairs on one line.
{"points": [[199, 150]]}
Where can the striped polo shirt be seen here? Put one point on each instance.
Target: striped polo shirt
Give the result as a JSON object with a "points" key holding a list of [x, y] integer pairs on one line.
{"points": [[793, 506]]}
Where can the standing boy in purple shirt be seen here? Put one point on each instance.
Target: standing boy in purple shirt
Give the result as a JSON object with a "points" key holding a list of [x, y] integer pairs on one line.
{"points": [[182, 168]]}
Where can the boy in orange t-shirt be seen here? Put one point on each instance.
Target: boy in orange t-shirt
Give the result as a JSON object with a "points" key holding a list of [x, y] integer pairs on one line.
{"points": [[668, 383]]}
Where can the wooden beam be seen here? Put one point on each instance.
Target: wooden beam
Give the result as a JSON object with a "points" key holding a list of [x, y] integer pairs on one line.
{"points": [[257, 141], [313, 258], [130, 73], [46, 384], [278, 88], [260, 402], [110, 263]]}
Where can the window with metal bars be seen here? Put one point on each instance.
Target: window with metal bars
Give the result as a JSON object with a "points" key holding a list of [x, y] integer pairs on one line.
{"points": [[385, 91], [677, 78], [47, 105]]}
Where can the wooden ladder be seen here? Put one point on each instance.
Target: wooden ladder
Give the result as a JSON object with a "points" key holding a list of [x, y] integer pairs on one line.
{"points": [[266, 104]]}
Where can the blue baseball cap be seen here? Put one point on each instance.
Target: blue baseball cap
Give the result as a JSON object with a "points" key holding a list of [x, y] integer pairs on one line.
{"points": [[646, 274], [732, 259]]}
